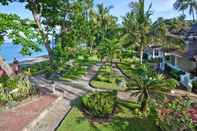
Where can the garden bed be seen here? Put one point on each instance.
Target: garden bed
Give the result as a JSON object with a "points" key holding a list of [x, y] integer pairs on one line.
{"points": [[108, 79]]}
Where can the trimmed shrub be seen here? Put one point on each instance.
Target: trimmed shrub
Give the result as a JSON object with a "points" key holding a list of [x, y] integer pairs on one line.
{"points": [[100, 104]]}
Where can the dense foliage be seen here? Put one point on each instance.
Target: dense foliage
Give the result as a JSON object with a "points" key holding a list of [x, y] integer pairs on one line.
{"points": [[145, 81], [100, 104], [184, 5], [140, 31], [14, 89]]}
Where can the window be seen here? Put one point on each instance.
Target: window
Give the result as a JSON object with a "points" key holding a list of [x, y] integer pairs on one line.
{"points": [[167, 58], [156, 53]]}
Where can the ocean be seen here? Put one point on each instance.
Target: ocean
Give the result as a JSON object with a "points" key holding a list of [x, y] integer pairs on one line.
{"points": [[8, 51]]}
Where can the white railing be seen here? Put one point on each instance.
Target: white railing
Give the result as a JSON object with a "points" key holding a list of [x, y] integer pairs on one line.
{"points": [[186, 80]]}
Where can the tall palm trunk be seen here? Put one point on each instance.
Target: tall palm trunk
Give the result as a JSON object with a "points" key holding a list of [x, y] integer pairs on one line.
{"points": [[6, 67]]}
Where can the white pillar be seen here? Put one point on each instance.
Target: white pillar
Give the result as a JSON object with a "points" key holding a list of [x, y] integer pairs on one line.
{"points": [[153, 53]]}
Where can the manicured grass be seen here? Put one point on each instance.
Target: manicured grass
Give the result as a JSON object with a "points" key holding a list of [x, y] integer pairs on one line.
{"points": [[80, 69], [122, 121], [75, 121], [106, 85], [108, 79], [73, 73]]}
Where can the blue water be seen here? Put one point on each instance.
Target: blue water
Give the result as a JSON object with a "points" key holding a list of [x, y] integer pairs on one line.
{"points": [[8, 51]]}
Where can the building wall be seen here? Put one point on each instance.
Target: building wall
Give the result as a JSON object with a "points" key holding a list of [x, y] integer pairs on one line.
{"points": [[192, 48], [185, 64], [151, 53]]}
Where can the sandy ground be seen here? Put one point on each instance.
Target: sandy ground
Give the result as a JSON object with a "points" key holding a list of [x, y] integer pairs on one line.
{"points": [[34, 60]]}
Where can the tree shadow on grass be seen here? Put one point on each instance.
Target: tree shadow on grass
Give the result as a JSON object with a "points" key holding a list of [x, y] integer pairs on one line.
{"points": [[77, 104], [132, 124]]}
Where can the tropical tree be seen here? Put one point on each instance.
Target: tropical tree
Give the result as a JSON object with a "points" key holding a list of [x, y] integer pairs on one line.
{"points": [[110, 49], [79, 30], [105, 21], [58, 21], [191, 5], [107, 32], [137, 25], [46, 14], [141, 32], [144, 81], [20, 32], [177, 24], [180, 5], [162, 33]]}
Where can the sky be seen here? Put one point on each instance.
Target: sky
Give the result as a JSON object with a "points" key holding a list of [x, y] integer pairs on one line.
{"points": [[161, 8]]}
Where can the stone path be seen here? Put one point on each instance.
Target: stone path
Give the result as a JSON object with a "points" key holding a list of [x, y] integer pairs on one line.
{"points": [[17, 118], [68, 91]]}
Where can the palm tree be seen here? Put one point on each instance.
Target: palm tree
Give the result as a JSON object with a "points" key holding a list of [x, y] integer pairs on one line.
{"points": [[141, 32], [145, 81], [104, 20], [160, 33], [182, 5], [111, 49], [137, 25], [192, 5]]}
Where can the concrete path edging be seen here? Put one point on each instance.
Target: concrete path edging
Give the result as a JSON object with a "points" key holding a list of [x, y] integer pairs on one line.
{"points": [[41, 116]]}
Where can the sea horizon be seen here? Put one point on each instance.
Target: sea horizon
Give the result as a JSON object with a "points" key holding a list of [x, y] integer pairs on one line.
{"points": [[9, 51]]}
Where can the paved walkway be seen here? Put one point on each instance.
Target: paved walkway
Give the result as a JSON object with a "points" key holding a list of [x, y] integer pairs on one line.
{"points": [[17, 118], [68, 91]]}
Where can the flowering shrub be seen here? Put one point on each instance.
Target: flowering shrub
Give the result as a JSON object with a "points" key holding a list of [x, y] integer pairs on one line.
{"points": [[174, 116]]}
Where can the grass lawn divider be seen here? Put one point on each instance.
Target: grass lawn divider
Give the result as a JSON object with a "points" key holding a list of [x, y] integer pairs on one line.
{"points": [[97, 73], [59, 124]]}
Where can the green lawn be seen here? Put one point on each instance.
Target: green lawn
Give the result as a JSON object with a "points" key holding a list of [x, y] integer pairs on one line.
{"points": [[68, 72], [73, 73], [108, 79], [80, 69], [106, 85], [122, 121]]}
